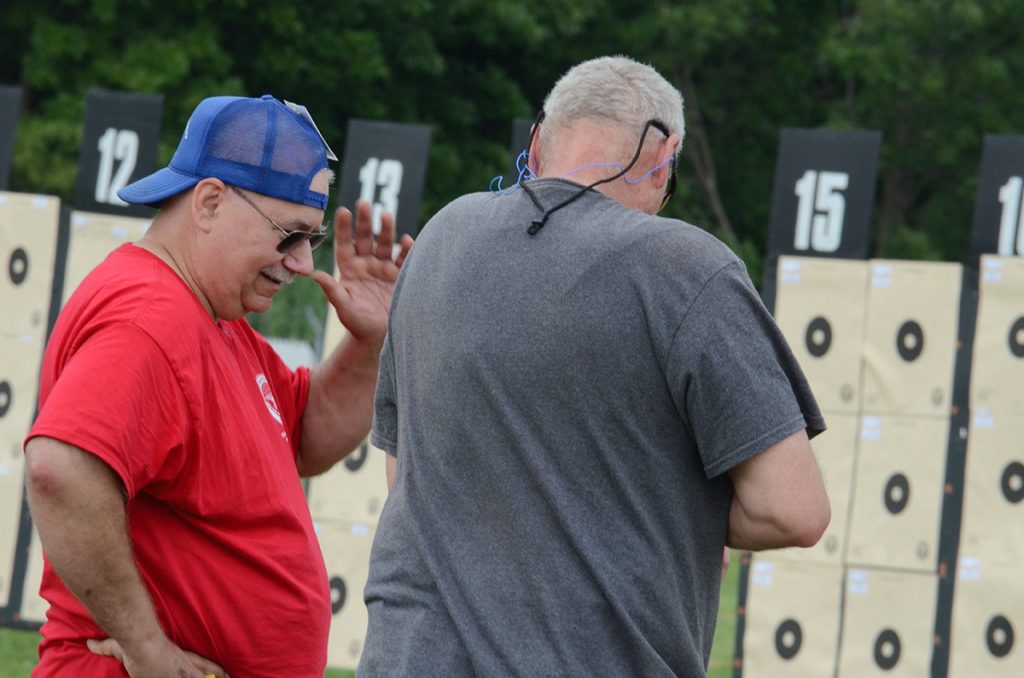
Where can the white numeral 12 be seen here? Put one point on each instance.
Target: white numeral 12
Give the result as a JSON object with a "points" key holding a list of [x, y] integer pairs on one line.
{"points": [[388, 175], [1011, 228], [121, 145], [820, 211]]}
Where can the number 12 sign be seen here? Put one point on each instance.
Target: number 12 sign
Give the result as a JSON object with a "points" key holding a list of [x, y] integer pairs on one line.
{"points": [[119, 145], [824, 193]]}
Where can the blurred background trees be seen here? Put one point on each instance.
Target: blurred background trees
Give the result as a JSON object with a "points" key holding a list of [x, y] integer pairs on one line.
{"points": [[933, 75]]}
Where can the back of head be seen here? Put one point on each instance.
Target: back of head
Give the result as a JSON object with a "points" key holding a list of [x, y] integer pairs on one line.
{"points": [[258, 144], [614, 91]]}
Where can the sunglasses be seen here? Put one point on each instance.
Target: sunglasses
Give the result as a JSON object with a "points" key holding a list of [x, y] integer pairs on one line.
{"points": [[289, 239]]}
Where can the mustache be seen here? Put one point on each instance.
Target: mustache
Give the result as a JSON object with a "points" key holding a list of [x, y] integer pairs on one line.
{"points": [[283, 276]]}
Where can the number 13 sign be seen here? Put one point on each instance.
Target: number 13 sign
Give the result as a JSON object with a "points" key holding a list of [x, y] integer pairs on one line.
{"points": [[386, 163], [119, 145], [824, 192]]}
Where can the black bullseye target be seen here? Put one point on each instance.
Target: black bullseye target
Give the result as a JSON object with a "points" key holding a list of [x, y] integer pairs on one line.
{"points": [[1013, 482], [17, 266], [354, 462], [999, 636], [910, 341], [887, 649], [788, 638], [338, 594], [1016, 339], [897, 493], [6, 396], [818, 336]]}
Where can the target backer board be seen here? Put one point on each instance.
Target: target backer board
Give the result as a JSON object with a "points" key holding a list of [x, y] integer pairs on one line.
{"points": [[988, 622], [354, 489], [898, 493], [28, 243], [93, 237], [10, 107], [911, 337], [997, 368], [835, 452], [792, 618], [888, 623], [992, 526], [346, 549], [119, 146], [820, 307], [386, 163], [33, 606]]}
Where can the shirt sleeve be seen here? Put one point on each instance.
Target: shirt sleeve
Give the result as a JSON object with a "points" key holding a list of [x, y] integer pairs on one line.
{"points": [[734, 377], [118, 398], [384, 433]]}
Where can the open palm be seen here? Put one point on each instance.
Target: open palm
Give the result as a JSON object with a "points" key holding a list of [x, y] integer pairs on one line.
{"points": [[367, 271]]}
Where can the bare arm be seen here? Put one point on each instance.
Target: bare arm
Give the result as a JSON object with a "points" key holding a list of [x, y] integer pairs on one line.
{"points": [[78, 508], [391, 468], [779, 498], [339, 408]]}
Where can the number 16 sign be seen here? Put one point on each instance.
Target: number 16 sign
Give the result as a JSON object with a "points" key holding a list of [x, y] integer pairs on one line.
{"points": [[824, 192]]}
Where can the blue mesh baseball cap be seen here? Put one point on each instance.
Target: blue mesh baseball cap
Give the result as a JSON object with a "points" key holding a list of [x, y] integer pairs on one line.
{"points": [[258, 144]]}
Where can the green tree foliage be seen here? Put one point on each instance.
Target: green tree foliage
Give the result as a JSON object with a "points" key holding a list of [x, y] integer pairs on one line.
{"points": [[933, 75]]}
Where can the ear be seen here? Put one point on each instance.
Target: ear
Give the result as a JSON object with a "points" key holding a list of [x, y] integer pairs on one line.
{"points": [[534, 150], [208, 197], [665, 151]]}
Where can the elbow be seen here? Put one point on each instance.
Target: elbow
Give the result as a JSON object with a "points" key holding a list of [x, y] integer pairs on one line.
{"points": [[809, 528]]}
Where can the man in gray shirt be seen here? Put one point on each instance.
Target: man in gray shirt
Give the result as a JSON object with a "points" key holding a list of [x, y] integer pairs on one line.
{"points": [[582, 403]]}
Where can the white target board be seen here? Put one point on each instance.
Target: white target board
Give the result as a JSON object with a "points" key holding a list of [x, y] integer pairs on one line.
{"points": [[997, 366], [33, 606], [992, 521], [835, 451], [346, 549], [911, 337], [820, 307], [988, 620], [888, 624], [28, 244], [792, 618], [897, 500], [93, 237]]}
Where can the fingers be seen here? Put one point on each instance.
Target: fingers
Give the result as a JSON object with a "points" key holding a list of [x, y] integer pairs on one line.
{"points": [[405, 244], [386, 237], [208, 667], [364, 228], [107, 647], [343, 234]]}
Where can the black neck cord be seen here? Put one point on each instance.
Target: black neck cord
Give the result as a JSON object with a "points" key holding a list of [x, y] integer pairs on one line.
{"points": [[538, 224]]}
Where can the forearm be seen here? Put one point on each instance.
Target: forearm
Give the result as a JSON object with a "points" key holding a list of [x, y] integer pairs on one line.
{"points": [[339, 408], [78, 509], [752, 532]]}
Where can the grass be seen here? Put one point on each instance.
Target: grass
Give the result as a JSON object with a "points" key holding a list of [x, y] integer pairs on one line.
{"points": [[18, 648]]}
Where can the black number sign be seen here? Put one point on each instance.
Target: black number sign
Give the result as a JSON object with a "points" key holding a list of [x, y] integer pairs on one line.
{"points": [[824, 193], [998, 214], [386, 163], [10, 106], [119, 145]]}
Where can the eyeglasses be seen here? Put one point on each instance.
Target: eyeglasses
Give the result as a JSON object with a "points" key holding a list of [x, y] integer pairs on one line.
{"points": [[290, 239]]}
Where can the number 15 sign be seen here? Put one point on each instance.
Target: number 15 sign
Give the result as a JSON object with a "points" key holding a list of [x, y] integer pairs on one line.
{"points": [[824, 192]]}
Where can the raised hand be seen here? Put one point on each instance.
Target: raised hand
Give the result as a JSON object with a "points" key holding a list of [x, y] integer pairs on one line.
{"points": [[367, 271]]}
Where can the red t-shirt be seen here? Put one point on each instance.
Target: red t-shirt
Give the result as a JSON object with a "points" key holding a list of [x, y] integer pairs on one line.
{"points": [[201, 421]]}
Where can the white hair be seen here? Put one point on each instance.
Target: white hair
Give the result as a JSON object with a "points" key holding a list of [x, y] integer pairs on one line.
{"points": [[615, 91]]}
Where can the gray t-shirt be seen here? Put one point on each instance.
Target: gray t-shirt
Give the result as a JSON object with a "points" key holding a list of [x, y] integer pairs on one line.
{"points": [[563, 408]]}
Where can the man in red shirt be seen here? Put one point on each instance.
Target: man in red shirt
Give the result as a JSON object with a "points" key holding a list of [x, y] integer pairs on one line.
{"points": [[163, 469]]}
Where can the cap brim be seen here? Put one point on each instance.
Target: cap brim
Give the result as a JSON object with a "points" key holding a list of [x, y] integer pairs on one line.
{"points": [[157, 187]]}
